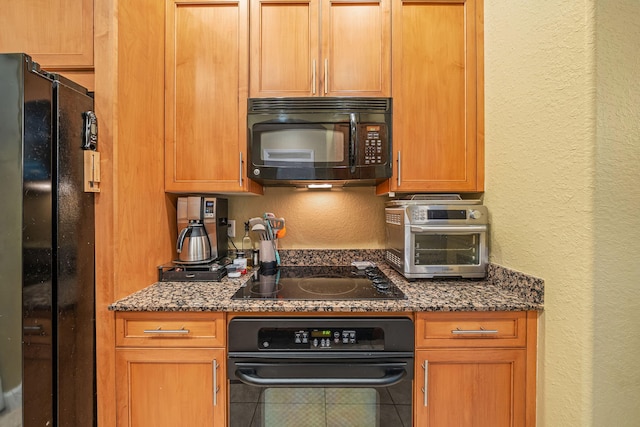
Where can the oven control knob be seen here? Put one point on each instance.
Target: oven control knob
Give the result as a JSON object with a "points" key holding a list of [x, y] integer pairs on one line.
{"points": [[473, 214], [265, 344]]}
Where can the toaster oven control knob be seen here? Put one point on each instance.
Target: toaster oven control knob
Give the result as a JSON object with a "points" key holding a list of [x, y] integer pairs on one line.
{"points": [[473, 214]]}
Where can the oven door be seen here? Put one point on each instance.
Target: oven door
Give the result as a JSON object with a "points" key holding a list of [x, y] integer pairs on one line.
{"points": [[433, 251], [320, 392]]}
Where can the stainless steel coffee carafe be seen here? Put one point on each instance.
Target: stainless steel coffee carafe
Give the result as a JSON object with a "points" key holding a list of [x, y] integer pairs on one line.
{"points": [[193, 244], [202, 229]]}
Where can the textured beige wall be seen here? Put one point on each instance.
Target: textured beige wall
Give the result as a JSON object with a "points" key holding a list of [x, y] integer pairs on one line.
{"points": [[616, 376], [561, 164], [540, 181], [345, 218]]}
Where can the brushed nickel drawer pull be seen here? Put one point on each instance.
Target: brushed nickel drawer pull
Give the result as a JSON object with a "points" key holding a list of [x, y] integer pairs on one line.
{"points": [[166, 331], [481, 331]]}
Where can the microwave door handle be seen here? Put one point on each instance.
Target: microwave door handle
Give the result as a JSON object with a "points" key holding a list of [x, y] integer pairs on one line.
{"points": [[353, 128], [459, 229]]}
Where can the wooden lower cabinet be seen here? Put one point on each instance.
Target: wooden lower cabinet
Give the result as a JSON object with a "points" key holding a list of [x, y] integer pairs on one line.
{"points": [[170, 387], [470, 387], [475, 369], [170, 370]]}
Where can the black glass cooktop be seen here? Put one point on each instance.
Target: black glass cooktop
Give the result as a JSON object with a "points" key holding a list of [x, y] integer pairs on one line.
{"points": [[320, 283]]}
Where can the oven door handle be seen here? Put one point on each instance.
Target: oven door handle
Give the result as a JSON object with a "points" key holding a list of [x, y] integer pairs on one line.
{"points": [[247, 374], [461, 229]]}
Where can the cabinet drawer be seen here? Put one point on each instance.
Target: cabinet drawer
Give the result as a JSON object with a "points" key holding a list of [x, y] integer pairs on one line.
{"points": [[170, 329], [471, 329]]}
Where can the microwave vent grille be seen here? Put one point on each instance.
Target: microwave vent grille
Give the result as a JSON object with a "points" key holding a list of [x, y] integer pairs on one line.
{"points": [[346, 104]]}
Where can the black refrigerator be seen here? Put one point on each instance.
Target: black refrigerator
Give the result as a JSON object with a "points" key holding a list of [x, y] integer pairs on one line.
{"points": [[47, 284]]}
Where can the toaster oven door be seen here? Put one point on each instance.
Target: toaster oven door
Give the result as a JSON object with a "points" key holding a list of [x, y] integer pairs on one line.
{"points": [[447, 251]]}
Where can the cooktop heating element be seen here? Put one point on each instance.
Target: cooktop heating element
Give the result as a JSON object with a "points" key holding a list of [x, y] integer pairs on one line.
{"points": [[320, 283]]}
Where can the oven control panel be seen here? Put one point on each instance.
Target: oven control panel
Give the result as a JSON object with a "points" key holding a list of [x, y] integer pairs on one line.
{"points": [[321, 339]]}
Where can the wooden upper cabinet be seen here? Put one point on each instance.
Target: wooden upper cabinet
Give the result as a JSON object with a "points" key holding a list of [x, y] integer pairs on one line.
{"points": [[438, 112], [58, 35], [320, 48], [206, 96], [284, 47]]}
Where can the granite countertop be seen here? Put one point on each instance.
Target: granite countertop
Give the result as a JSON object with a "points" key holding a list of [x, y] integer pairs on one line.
{"points": [[501, 290]]}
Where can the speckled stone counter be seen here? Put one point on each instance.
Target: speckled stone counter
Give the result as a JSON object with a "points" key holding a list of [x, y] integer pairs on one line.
{"points": [[502, 290]]}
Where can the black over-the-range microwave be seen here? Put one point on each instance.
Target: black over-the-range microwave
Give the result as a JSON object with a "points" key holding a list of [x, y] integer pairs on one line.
{"points": [[328, 139]]}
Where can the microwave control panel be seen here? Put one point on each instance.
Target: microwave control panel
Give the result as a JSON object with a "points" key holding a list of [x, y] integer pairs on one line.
{"points": [[373, 143]]}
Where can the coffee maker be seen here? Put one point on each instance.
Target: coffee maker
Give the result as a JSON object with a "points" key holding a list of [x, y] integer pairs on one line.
{"points": [[202, 229]]}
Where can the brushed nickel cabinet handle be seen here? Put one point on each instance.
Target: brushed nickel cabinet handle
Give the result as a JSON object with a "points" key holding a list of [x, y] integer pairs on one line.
{"points": [[161, 331], [326, 76], [425, 384], [481, 331], [214, 364], [399, 168], [241, 162], [313, 77]]}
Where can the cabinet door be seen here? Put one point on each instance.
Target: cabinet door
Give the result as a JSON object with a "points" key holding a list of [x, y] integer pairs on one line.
{"points": [[356, 48], [62, 41], [438, 132], [206, 72], [470, 387], [58, 35], [320, 48], [170, 387], [284, 48]]}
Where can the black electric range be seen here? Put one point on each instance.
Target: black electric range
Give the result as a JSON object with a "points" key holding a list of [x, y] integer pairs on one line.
{"points": [[320, 283]]}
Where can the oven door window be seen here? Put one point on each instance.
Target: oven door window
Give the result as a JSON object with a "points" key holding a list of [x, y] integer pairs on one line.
{"points": [[301, 145], [447, 249], [285, 406], [324, 406]]}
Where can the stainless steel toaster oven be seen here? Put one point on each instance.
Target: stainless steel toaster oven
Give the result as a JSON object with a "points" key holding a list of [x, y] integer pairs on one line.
{"points": [[441, 237]]}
